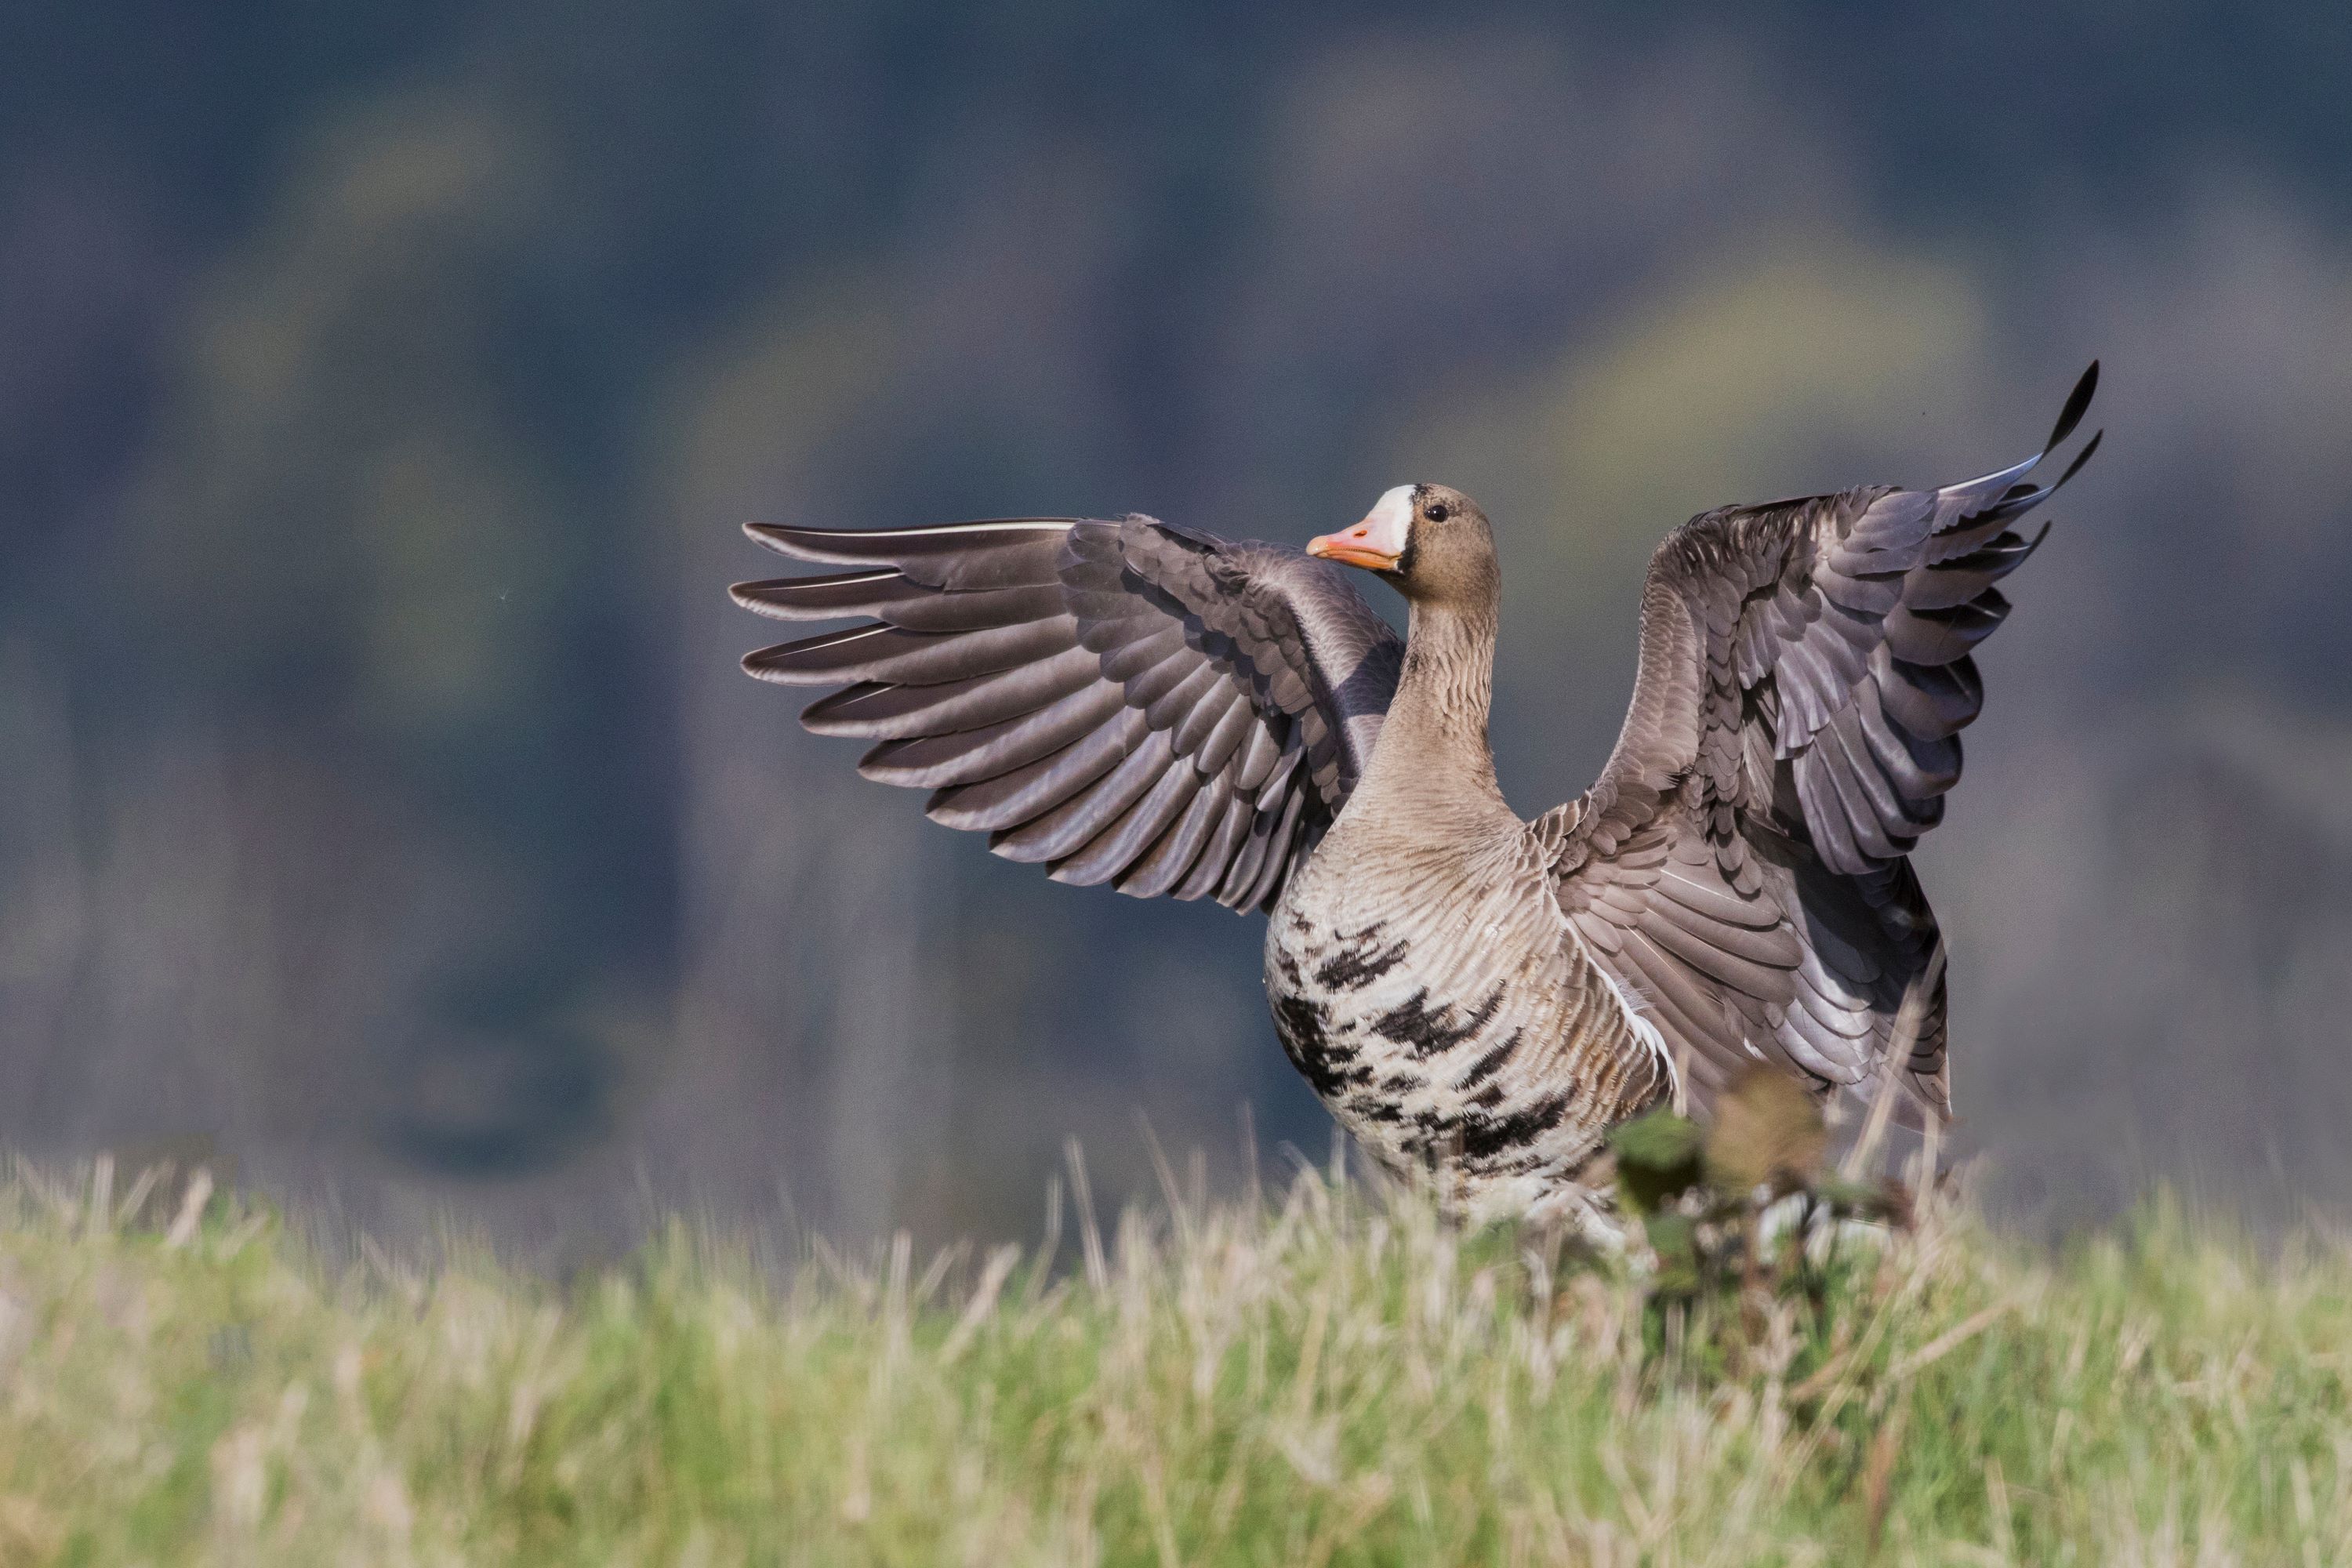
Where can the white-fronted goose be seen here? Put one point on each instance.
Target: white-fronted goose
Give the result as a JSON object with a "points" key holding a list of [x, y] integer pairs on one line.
{"points": [[1138, 704]]}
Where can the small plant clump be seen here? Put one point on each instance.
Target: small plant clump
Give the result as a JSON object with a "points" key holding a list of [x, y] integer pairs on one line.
{"points": [[1747, 1208], [1331, 1374]]}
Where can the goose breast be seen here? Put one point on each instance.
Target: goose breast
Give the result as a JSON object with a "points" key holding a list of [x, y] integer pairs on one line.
{"points": [[1440, 1006]]}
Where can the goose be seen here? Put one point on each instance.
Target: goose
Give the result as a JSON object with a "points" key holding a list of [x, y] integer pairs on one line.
{"points": [[1475, 996]]}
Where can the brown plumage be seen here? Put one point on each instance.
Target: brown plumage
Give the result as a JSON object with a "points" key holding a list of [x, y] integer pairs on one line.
{"points": [[1137, 704]]}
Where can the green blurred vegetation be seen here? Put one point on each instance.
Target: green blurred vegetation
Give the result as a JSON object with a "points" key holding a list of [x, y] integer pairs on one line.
{"points": [[1328, 1374]]}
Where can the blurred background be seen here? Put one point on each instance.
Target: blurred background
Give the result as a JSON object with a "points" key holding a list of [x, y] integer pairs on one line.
{"points": [[382, 386]]}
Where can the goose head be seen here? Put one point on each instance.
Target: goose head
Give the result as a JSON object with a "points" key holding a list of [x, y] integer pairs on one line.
{"points": [[1430, 542]]}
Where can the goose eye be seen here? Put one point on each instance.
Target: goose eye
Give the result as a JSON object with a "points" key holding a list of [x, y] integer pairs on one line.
{"points": [[1437, 512]]}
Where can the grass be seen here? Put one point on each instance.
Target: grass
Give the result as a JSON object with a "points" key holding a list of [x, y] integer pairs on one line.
{"points": [[1330, 1376]]}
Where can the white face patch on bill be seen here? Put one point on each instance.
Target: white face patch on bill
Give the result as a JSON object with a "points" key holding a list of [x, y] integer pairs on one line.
{"points": [[1389, 524]]}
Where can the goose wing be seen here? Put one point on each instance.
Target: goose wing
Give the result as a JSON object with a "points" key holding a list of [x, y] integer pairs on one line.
{"points": [[1740, 868], [1124, 701]]}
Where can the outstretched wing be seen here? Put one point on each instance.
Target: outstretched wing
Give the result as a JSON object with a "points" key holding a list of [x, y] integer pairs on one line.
{"points": [[1125, 701], [1739, 868]]}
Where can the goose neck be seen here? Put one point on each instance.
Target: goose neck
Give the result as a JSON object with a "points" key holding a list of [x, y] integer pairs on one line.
{"points": [[1433, 741]]}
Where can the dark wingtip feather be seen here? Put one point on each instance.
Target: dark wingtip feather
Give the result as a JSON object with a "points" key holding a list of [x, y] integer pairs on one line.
{"points": [[2080, 458], [2078, 403]]}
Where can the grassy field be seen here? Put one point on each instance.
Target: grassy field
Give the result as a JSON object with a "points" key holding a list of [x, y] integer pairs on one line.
{"points": [[1330, 1375]]}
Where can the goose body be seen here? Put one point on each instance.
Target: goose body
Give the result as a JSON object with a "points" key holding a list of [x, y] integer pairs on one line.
{"points": [[1472, 995]]}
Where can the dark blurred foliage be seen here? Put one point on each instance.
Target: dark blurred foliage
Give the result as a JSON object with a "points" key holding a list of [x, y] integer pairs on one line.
{"points": [[380, 386]]}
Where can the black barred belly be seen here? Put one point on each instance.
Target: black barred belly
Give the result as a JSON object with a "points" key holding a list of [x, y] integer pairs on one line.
{"points": [[1430, 1056]]}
